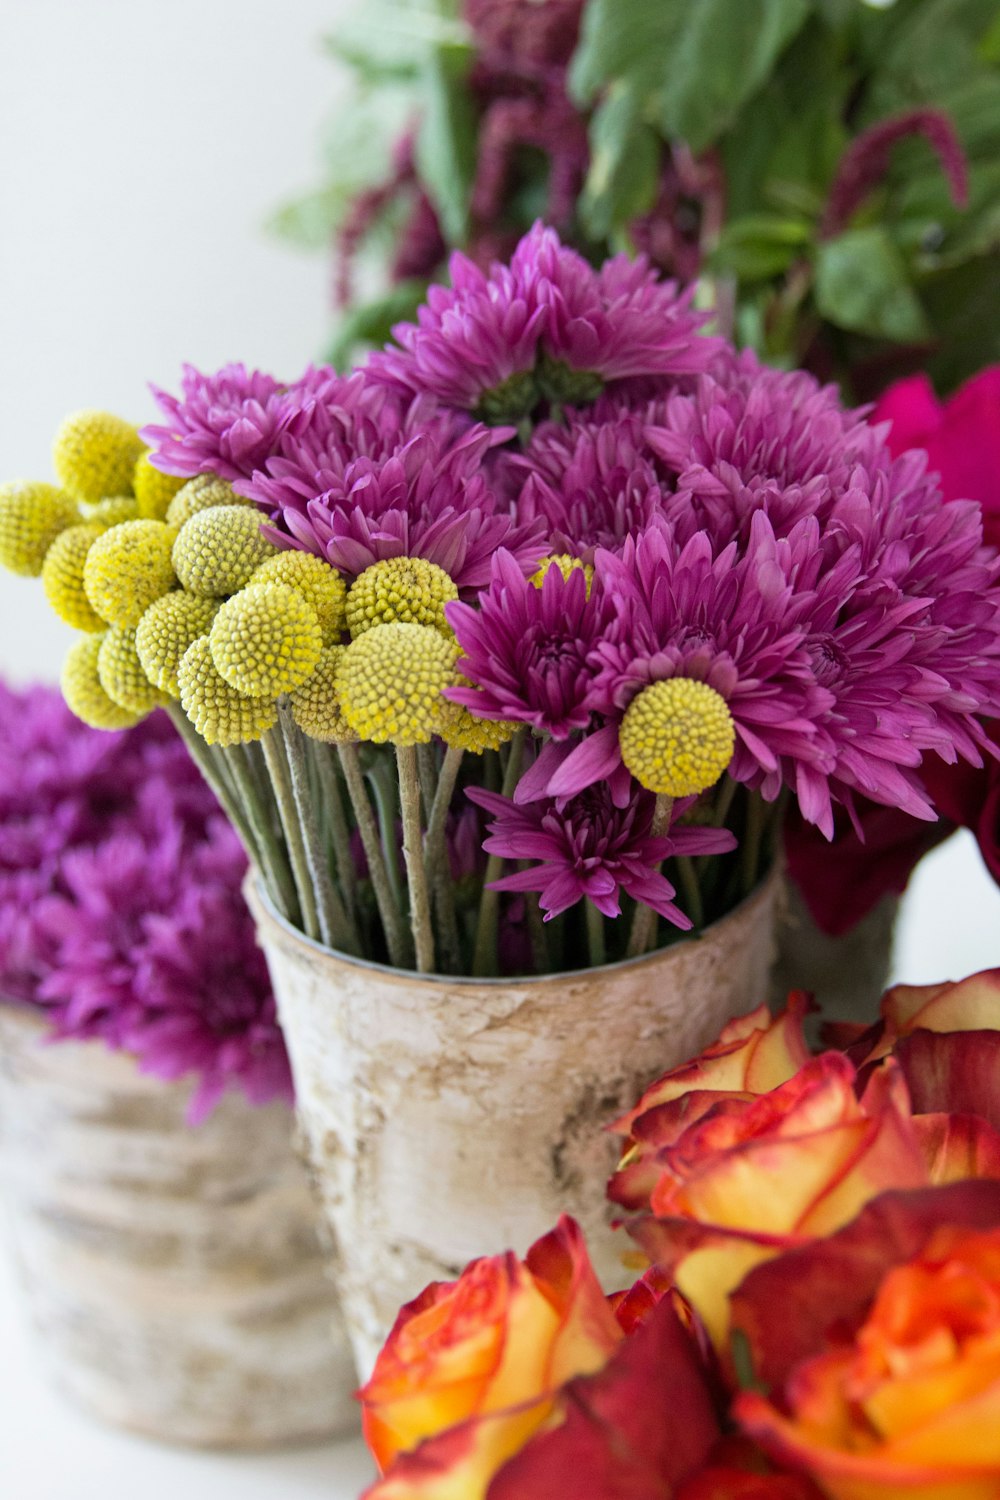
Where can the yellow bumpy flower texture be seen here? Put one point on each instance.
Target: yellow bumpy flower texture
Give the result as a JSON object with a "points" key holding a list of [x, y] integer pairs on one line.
{"points": [[266, 640], [566, 565], [316, 706], [406, 590], [318, 583], [221, 715], [169, 626], [153, 489], [95, 454], [466, 731], [122, 675], [32, 515], [677, 737], [390, 682], [218, 550], [82, 690], [62, 577], [202, 493], [112, 511], [127, 568]]}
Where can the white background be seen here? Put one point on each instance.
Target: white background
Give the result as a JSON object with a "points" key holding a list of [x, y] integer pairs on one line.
{"points": [[142, 145]]}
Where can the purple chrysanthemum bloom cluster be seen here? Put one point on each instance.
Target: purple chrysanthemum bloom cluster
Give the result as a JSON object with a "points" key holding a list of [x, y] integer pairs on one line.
{"points": [[120, 904]]}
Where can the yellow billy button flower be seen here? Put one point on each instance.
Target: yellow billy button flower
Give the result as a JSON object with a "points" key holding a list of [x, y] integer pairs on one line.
{"points": [[81, 687], [566, 565], [219, 550], [121, 673], [316, 705], [202, 493], [466, 731], [153, 489], [127, 568], [266, 640], [169, 626], [677, 737], [221, 715], [390, 682], [318, 583], [31, 517], [112, 511], [407, 590], [62, 577], [95, 454]]}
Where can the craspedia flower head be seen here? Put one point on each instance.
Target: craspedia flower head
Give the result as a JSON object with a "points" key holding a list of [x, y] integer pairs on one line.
{"points": [[266, 640], [677, 737], [32, 514], [316, 705], [112, 511], [467, 731], [390, 682], [95, 454], [407, 590], [320, 586], [62, 577], [219, 550], [153, 489], [127, 568], [169, 626], [221, 715], [122, 675], [83, 692], [566, 564], [201, 493]]}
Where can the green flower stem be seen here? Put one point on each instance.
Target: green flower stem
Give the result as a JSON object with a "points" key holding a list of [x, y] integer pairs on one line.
{"points": [[687, 877], [340, 833], [396, 938], [250, 776], [537, 933], [428, 768], [643, 933], [413, 853], [436, 861], [213, 771], [596, 950], [484, 957], [753, 834], [334, 927], [720, 812], [385, 789], [281, 783]]}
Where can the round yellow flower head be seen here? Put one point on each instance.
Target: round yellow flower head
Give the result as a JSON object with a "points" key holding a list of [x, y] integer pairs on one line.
{"points": [[677, 737], [408, 590], [121, 673], [169, 626], [266, 640], [32, 514], [127, 568], [316, 704], [201, 493], [62, 577], [112, 511], [566, 565], [218, 712], [466, 731], [95, 454], [81, 687], [390, 682], [153, 489], [318, 583], [219, 549]]}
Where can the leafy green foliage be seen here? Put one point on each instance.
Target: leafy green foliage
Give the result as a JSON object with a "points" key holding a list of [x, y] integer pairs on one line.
{"points": [[862, 284]]}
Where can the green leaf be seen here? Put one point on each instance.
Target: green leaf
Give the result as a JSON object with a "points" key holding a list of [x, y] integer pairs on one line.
{"points": [[632, 40], [962, 306], [862, 284], [760, 246], [624, 164], [725, 51], [371, 323], [310, 221], [446, 142]]}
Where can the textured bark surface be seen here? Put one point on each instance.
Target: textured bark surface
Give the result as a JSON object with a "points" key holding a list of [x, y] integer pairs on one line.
{"points": [[847, 975], [175, 1275], [452, 1118]]}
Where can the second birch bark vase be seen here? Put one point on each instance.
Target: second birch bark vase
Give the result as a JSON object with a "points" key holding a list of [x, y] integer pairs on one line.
{"points": [[448, 1118]]}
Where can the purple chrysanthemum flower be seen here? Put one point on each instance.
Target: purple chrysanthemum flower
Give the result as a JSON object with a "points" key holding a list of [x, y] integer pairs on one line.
{"points": [[372, 475], [547, 326], [227, 423], [588, 846], [526, 648]]}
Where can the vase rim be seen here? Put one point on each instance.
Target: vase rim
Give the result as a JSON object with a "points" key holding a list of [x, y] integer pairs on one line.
{"points": [[257, 895]]}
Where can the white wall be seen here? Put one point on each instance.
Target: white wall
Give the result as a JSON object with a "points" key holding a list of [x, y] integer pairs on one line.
{"points": [[142, 145]]}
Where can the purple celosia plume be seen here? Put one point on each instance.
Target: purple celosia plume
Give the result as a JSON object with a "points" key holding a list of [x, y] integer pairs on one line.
{"points": [[120, 904]]}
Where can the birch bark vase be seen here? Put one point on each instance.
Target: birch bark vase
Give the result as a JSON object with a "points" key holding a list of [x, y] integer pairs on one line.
{"points": [[447, 1118], [174, 1274]]}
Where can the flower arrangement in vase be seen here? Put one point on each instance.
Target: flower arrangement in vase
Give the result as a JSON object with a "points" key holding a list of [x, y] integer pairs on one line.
{"points": [[505, 654], [162, 1224]]}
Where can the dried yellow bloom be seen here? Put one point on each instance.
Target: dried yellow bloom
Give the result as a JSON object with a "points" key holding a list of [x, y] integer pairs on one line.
{"points": [[677, 737], [153, 489], [408, 590], [390, 682], [121, 673], [95, 454], [127, 568], [62, 577], [221, 715], [32, 514], [81, 687], [266, 640], [316, 704], [219, 549], [201, 493], [169, 626], [318, 583]]}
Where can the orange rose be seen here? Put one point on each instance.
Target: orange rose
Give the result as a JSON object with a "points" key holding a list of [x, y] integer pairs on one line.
{"points": [[750, 1179], [490, 1384], [911, 1407], [752, 1055]]}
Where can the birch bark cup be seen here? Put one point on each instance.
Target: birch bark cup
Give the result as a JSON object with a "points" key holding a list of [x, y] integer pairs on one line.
{"points": [[448, 1118], [846, 975], [174, 1274]]}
